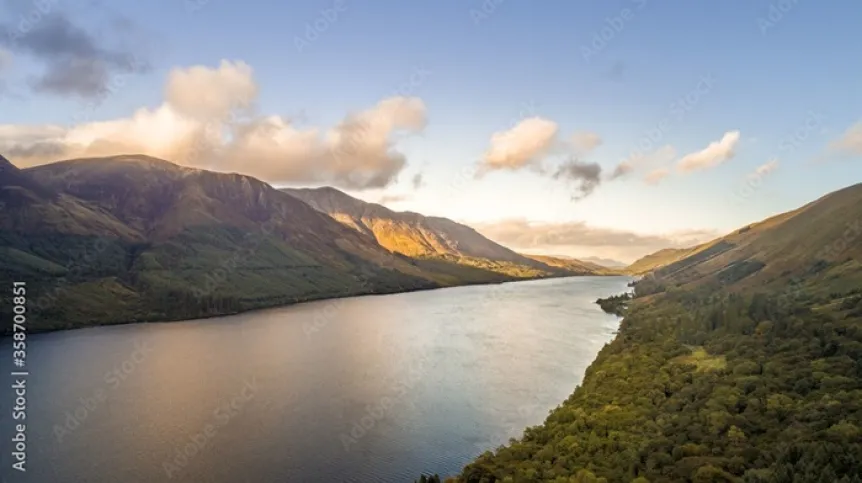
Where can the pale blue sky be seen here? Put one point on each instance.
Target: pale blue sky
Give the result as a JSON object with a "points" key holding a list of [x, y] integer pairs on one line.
{"points": [[483, 75]]}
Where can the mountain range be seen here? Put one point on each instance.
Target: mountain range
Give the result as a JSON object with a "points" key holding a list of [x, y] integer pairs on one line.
{"points": [[135, 238]]}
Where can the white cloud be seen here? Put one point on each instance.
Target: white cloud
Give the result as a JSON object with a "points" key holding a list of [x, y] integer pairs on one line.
{"points": [[716, 153], [765, 168], [851, 141], [523, 145], [584, 142], [655, 176], [198, 126], [207, 93]]}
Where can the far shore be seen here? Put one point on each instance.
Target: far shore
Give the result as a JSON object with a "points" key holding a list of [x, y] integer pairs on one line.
{"points": [[7, 333]]}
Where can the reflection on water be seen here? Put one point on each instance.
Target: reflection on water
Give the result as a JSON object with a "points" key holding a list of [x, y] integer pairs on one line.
{"points": [[363, 389]]}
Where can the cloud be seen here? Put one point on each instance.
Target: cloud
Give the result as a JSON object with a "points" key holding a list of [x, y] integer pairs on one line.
{"points": [[416, 181], [391, 199], [202, 92], [76, 63], [622, 169], [850, 142], [197, 127], [764, 169], [523, 145], [584, 142], [586, 176], [716, 153], [654, 159], [655, 176], [580, 239]]}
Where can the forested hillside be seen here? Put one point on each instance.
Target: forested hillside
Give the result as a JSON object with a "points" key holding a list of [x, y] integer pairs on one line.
{"points": [[741, 362]]}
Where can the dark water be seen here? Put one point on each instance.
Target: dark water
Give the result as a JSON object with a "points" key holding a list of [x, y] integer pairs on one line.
{"points": [[360, 389]]}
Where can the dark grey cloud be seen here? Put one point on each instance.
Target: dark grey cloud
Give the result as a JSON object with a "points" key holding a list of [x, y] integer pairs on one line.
{"points": [[77, 62], [586, 176], [417, 181]]}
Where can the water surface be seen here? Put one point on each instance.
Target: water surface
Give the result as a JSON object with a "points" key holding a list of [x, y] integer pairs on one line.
{"points": [[364, 389]]}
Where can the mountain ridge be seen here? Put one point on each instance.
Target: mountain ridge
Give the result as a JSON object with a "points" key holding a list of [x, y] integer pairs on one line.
{"points": [[431, 237]]}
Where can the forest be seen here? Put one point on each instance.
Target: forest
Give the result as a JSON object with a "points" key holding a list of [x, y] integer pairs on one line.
{"points": [[706, 386]]}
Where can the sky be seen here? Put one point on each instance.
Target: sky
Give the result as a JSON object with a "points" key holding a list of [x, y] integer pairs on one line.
{"points": [[609, 129]]}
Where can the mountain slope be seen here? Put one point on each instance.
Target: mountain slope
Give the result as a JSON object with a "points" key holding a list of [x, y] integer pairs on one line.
{"points": [[738, 362], [655, 260], [575, 265], [820, 242], [136, 238], [426, 237]]}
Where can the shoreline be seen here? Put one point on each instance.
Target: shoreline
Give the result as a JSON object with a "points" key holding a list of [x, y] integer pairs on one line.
{"points": [[455, 478], [169, 320]]}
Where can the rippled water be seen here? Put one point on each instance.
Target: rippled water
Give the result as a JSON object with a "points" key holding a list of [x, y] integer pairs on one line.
{"points": [[363, 389]]}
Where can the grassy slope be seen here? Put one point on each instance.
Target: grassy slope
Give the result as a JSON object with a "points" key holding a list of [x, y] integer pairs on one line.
{"points": [[740, 362], [655, 260]]}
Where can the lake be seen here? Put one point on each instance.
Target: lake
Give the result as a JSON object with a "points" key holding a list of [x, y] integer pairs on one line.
{"points": [[360, 389]]}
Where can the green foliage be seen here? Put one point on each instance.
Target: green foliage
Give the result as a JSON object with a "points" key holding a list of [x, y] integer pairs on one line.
{"points": [[615, 304], [706, 386]]}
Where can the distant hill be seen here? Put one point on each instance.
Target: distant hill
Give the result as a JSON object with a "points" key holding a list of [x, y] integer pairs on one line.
{"points": [[575, 265], [605, 262], [428, 238]]}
